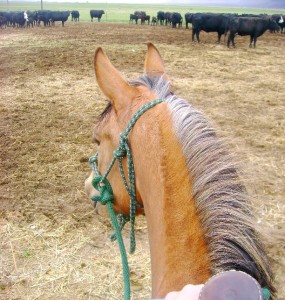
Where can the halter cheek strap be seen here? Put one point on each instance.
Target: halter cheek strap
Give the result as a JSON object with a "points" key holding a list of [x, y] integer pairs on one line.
{"points": [[106, 196]]}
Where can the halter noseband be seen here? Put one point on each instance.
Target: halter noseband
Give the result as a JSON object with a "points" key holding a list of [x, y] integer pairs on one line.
{"points": [[106, 196]]}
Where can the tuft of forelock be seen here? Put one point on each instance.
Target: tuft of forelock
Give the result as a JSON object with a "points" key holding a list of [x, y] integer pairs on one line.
{"points": [[221, 199]]}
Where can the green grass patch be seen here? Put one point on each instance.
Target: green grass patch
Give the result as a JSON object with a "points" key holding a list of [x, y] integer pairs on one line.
{"points": [[121, 12]]}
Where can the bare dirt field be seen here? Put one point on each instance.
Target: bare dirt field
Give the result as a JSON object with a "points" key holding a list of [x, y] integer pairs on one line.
{"points": [[53, 245]]}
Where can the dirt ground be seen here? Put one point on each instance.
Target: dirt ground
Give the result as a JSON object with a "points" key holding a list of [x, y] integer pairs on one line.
{"points": [[53, 245]]}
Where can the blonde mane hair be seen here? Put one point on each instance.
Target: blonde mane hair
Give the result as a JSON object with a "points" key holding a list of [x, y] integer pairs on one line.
{"points": [[220, 197]]}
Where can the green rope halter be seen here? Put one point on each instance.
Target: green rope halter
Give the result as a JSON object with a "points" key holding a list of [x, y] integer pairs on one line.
{"points": [[106, 196]]}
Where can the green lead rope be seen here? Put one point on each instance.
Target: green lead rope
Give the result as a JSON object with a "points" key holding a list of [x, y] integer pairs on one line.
{"points": [[106, 197], [122, 221], [266, 294]]}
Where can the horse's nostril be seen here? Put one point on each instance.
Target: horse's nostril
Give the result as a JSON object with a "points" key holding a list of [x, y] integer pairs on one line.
{"points": [[96, 206]]}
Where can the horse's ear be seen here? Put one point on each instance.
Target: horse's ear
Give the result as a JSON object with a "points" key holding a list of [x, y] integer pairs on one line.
{"points": [[153, 65], [112, 83]]}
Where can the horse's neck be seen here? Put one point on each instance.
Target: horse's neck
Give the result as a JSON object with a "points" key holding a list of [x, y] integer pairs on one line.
{"points": [[177, 246]]}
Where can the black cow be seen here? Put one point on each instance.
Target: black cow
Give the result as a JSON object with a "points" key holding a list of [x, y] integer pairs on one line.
{"points": [[160, 17], [17, 19], [145, 18], [133, 18], [154, 21], [31, 18], [176, 19], [49, 17], [75, 16], [6, 18], [59, 16], [140, 14], [168, 18], [254, 27], [3, 22], [209, 23], [30, 21], [281, 23], [188, 19], [43, 16], [96, 14], [280, 20]]}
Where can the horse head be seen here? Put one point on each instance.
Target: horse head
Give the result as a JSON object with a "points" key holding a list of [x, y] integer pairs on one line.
{"points": [[124, 100]]}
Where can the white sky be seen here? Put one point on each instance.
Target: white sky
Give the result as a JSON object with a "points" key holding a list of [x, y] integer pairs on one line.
{"points": [[123, 1]]}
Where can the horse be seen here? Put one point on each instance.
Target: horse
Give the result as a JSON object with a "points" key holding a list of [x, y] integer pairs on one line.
{"points": [[187, 183]]}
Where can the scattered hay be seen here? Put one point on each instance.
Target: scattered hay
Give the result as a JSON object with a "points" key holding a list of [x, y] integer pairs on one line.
{"points": [[53, 245]]}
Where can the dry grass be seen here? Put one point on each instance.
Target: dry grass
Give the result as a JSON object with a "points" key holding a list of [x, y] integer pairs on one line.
{"points": [[53, 246]]}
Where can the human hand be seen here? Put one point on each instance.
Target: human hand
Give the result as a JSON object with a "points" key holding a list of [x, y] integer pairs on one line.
{"points": [[189, 292]]}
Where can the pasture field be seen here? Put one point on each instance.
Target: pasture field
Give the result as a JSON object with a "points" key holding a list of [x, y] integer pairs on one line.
{"points": [[121, 12], [53, 245]]}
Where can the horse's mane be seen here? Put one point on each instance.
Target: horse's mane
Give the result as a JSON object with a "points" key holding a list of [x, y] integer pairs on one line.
{"points": [[220, 196]]}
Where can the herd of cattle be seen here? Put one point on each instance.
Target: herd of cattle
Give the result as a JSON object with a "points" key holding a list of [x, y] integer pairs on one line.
{"points": [[245, 24], [47, 17]]}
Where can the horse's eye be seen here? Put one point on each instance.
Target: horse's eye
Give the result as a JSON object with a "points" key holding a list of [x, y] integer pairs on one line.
{"points": [[97, 142]]}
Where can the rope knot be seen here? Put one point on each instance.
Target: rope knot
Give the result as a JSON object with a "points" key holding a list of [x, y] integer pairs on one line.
{"points": [[123, 138], [96, 181], [93, 159], [120, 152], [103, 186], [106, 196]]}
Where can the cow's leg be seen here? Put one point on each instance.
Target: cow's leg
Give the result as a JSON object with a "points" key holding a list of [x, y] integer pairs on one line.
{"points": [[193, 35], [254, 41], [231, 40], [251, 39], [198, 35], [219, 38]]}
